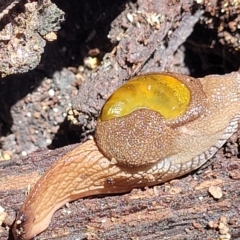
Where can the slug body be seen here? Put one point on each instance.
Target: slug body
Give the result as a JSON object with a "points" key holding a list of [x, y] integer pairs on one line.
{"points": [[152, 129]]}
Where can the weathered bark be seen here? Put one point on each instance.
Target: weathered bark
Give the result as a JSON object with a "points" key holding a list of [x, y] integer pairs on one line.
{"points": [[23, 33]]}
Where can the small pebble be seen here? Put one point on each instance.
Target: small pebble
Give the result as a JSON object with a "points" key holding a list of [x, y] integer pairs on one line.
{"points": [[51, 93], [48, 141], [24, 153], [55, 110], [6, 156], [215, 191]]}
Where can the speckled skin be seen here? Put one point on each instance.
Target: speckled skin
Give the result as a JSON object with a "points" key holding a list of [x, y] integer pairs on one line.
{"points": [[85, 171]]}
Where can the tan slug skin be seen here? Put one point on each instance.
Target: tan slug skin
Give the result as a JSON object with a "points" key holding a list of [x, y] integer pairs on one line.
{"points": [[84, 171]]}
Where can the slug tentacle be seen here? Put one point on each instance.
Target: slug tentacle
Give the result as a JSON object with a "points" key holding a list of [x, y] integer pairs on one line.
{"points": [[146, 144]]}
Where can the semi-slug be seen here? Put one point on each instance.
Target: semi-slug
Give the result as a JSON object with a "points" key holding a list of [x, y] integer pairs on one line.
{"points": [[154, 128]]}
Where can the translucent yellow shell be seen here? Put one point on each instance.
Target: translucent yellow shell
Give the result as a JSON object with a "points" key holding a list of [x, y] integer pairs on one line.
{"points": [[162, 93]]}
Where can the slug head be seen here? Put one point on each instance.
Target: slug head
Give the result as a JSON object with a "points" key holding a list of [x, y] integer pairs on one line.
{"points": [[137, 124]]}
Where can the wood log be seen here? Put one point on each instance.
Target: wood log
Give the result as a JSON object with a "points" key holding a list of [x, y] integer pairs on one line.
{"points": [[202, 205]]}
